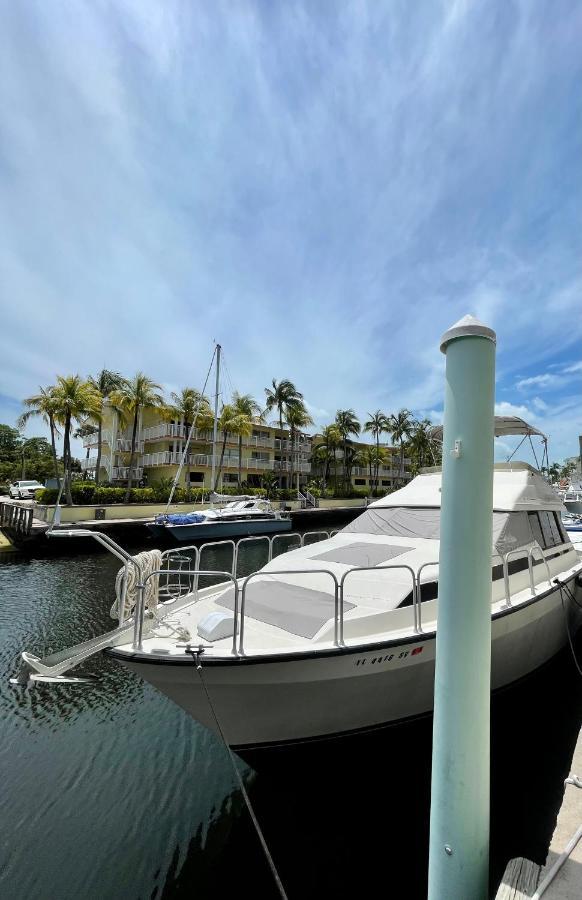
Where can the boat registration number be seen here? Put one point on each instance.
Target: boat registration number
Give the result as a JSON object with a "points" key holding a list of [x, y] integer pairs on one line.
{"points": [[386, 657]]}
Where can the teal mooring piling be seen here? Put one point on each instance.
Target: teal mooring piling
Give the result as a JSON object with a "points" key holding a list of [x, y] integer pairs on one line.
{"points": [[459, 816]]}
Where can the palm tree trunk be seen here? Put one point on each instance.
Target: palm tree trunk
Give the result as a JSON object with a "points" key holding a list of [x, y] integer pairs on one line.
{"points": [[132, 456], [54, 449], [219, 470], [187, 432], [281, 447], [345, 465], [401, 460], [98, 463], [292, 457], [67, 460], [239, 460], [377, 461]]}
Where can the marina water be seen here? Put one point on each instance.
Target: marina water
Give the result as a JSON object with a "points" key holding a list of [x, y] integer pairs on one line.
{"points": [[111, 791]]}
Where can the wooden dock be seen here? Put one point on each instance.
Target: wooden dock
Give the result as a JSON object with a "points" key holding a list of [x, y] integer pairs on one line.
{"points": [[561, 877]]}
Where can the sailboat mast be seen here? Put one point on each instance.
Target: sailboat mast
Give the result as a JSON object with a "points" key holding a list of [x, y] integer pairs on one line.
{"points": [[215, 427]]}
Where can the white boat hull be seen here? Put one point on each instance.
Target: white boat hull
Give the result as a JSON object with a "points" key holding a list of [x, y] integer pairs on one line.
{"points": [[287, 700]]}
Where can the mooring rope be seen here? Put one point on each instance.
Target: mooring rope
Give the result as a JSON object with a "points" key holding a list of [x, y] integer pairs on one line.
{"points": [[148, 561], [195, 654]]}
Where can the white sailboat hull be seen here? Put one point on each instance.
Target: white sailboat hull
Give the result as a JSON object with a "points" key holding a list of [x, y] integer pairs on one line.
{"points": [[285, 700]]}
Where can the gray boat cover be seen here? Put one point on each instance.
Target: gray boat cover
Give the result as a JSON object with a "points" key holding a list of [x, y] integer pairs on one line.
{"points": [[291, 607], [510, 529], [360, 554]]}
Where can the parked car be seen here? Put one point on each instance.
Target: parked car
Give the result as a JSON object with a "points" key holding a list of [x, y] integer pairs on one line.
{"points": [[24, 490]]}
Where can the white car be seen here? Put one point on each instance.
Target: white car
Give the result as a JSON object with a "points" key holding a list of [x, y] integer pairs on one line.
{"points": [[24, 490]]}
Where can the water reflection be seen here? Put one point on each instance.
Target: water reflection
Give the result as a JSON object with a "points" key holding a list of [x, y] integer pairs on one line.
{"points": [[111, 791]]}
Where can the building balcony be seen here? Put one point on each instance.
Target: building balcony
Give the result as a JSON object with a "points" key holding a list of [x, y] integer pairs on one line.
{"points": [[88, 464], [164, 430], [123, 445], [121, 473]]}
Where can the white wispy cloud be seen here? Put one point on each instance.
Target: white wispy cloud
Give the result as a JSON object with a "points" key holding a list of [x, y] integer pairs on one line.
{"points": [[314, 186]]}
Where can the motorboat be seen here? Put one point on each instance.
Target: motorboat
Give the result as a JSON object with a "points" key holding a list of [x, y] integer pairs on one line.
{"points": [[573, 500], [240, 516], [338, 636], [573, 525]]}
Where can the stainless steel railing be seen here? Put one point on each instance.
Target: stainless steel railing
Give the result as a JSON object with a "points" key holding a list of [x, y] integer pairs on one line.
{"points": [[168, 570]]}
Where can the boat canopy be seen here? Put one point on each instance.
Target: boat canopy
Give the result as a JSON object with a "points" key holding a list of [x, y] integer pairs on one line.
{"points": [[504, 426], [516, 486]]}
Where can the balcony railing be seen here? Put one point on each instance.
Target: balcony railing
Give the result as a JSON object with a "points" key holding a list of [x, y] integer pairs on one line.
{"points": [[121, 473], [123, 445], [166, 458], [88, 463]]}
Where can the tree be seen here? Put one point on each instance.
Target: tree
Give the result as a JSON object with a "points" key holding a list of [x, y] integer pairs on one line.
{"points": [[268, 483], [401, 427], [228, 421], [105, 383], [130, 398], [194, 409], [282, 397], [376, 424], [248, 410], [297, 419], [347, 423], [373, 458], [326, 451], [44, 404], [421, 445], [76, 400]]}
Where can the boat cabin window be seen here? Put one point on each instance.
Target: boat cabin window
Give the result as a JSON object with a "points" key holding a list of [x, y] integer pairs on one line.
{"points": [[546, 528]]}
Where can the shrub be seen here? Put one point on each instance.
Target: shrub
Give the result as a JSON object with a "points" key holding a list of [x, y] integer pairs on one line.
{"points": [[142, 495], [82, 491], [104, 495], [47, 495]]}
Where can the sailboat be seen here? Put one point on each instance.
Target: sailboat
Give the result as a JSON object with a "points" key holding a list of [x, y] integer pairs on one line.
{"points": [[241, 516]]}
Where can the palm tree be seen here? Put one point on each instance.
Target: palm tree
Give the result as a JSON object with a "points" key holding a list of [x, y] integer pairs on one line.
{"points": [[44, 405], [376, 424], [105, 383], [190, 405], [422, 444], [401, 425], [282, 396], [297, 418], [327, 450], [228, 422], [84, 431], [129, 399], [347, 423], [249, 411], [75, 400]]}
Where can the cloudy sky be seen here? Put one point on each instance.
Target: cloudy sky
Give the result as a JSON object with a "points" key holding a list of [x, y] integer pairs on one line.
{"points": [[323, 188]]}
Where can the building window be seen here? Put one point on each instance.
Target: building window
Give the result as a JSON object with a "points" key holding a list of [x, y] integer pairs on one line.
{"points": [[196, 477], [359, 481], [386, 483], [229, 478]]}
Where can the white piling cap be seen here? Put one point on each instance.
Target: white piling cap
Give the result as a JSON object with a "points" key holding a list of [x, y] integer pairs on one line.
{"points": [[468, 326]]}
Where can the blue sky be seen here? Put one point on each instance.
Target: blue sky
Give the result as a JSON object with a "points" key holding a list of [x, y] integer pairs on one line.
{"points": [[323, 188]]}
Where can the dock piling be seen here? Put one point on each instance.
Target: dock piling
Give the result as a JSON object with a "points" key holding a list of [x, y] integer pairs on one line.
{"points": [[459, 817]]}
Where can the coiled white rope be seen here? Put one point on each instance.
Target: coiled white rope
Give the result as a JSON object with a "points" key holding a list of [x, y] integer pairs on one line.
{"points": [[148, 561]]}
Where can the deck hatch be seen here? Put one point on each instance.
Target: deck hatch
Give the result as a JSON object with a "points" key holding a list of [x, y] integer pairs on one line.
{"points": [[291, 607], [362, 554]]}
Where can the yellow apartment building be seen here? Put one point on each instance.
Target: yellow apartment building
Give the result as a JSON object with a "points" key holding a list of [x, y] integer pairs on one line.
{"points": [[160, 445]]}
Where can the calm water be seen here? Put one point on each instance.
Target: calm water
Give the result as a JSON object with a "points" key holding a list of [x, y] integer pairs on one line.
{"points": [[110, 791]]}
